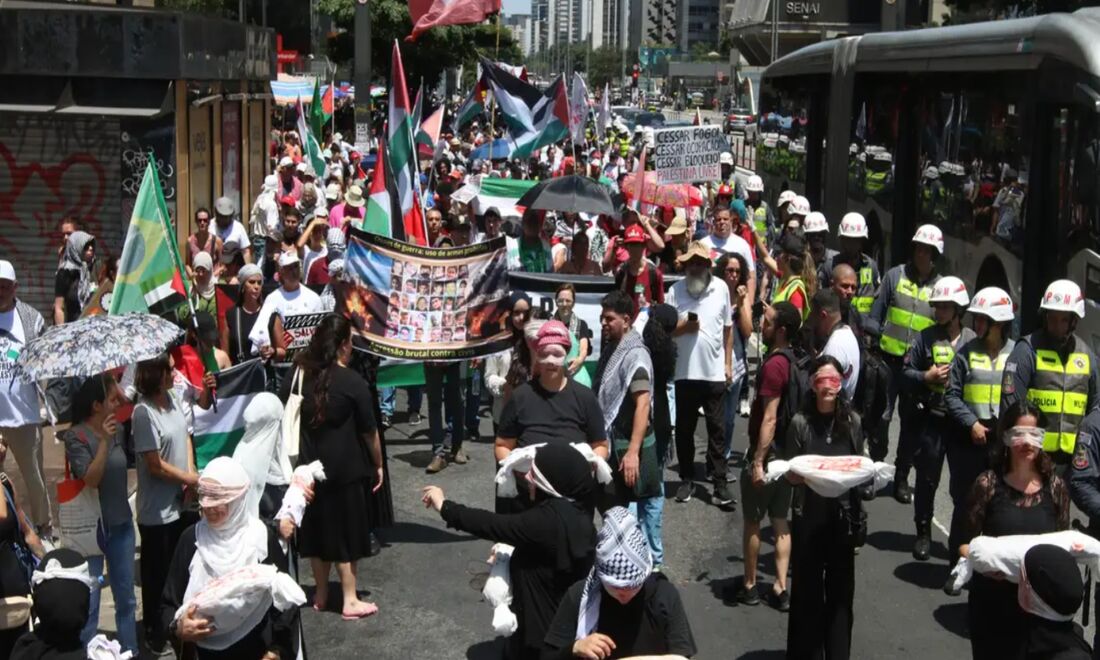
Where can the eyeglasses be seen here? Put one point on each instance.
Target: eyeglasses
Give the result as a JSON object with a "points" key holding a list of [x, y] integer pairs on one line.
{"points": [[564, 301]]}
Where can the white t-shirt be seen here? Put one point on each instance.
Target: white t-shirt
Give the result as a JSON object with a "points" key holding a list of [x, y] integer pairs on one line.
{"points": [[234, 232], [844, 346], [702, 355], [309, 256], [284, 303], [729, 244], [18, 397]]}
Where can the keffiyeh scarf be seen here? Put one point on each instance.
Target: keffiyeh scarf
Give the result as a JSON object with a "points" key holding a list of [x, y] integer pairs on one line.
{"points": [[623, 561], [613, 377]]}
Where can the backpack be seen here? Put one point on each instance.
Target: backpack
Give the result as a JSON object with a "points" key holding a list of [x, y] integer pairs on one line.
{"points": [[871, 391], [798, 385]]}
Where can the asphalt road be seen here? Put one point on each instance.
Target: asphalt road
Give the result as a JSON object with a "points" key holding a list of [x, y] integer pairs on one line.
{"points": [[427, 580]]}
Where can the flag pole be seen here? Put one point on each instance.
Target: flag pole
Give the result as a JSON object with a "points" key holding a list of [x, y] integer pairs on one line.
{"points": [[493, 101]]}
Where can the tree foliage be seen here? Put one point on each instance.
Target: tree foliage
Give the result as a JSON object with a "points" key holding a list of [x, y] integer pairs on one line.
{"points": [[435, 50]]}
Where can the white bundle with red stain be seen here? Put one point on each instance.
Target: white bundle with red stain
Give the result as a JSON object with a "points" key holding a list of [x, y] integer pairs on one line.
{"points": [[294, 502], [1003, 556], [240, 598], [498, 590], [520, 461], [832, 476], [101, 648]]}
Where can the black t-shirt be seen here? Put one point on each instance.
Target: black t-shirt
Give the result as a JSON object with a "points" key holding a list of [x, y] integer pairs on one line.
{"points": [[337, 441], [534, 416], [652, 623], [66, 285], [240, 324]]}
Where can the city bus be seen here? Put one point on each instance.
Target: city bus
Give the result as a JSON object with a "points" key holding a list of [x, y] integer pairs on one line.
{"points": [[989, 130]]}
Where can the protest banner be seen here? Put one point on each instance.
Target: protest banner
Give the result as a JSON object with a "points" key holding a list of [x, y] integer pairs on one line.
{"points": [[299, 329], [418, 303], [689, 154]]}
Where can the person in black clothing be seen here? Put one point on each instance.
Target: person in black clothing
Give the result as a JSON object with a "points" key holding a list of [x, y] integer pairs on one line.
{"points": [[1051, 591], [622, 609], [61, 600], [1020, 495], [823, 557], [337, 428], [240, 319], [228, 538], [554, 539]]}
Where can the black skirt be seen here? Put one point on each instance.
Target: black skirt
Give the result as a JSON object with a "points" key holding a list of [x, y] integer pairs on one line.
{"points": [[336, 524]]}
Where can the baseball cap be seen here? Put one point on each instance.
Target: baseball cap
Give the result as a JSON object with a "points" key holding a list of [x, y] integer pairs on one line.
{"points": [[224, 206], [288, 200], [7, 271], [792, 244], [634, 234], [332, 191], [286, 161], [288, 259], [229, 251]]}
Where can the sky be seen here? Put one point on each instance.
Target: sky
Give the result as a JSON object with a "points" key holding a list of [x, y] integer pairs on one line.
{"points": [[517, 6]]}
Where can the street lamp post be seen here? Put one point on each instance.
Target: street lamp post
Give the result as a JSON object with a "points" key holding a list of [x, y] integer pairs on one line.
{"points": [[362, 75]]}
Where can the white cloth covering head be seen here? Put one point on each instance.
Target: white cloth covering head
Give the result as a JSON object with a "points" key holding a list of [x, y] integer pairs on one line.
{"points": [[239, 540], [623, 561], [259, 451]]}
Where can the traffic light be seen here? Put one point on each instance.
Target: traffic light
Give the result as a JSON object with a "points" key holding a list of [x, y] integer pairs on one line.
{"points": [[634, 75]]}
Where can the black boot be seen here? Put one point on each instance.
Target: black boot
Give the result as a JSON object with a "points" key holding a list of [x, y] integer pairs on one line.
{"points": [[923, 544], [902, 492]]}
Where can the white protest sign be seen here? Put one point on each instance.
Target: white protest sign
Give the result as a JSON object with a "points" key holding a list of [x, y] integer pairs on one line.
{"points": [[686, 155]]}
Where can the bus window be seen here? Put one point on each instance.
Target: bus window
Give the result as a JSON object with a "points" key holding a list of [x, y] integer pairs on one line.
{"points": [[1075, 148], [787, 108], [871, 151]]}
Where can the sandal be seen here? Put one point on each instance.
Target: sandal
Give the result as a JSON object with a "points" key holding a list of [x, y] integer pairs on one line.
{"points": [[369, 609]]}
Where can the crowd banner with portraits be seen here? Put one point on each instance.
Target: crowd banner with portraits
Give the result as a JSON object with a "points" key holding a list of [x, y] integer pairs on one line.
{"points": [[410, 302]]}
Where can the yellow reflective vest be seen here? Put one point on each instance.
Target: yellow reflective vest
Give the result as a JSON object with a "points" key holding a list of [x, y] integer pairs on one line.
{"points": [[787, 289], [909, 312], [1060, 388], [982, 390]]}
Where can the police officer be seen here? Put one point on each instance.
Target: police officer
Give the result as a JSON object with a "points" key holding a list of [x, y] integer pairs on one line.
{"points": [[816, 230], [1084, 483], [973, 399], [853, 234], [762, 218], [926, 368], [900, 311], [1056, 370], [782, 204]]}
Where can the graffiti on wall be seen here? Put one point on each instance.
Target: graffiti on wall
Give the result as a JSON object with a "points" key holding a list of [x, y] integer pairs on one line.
{"points": [[143, 139], [50, 168]]}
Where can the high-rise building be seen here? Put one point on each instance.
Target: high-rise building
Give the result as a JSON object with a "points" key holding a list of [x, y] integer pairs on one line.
{"points": [[521, 27], [607, 23], [653, 23], [697, 23]]}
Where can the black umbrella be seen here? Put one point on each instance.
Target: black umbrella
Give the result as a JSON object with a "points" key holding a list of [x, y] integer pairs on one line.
{"points": [[569, 193]]}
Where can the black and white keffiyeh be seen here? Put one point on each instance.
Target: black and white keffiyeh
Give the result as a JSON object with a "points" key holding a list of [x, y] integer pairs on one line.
{"points": [[623, 561]]}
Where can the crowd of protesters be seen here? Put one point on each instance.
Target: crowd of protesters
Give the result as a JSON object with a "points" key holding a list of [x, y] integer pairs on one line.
{"points": [[692, 294]]}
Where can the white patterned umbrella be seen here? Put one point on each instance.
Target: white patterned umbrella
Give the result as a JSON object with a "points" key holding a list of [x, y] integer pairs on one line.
{"points": [[94, 344]]}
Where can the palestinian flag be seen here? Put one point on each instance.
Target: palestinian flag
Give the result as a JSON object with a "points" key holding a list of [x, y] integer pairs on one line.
{"points": [[217, 432], [150, 273], [383, 215], [473, 106], [535, 119], [311, 149], [502, 194], [427, 137], [402, 158]]}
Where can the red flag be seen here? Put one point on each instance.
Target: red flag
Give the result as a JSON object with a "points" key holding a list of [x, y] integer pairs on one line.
{"points": [[426, 14], [328, 101]]}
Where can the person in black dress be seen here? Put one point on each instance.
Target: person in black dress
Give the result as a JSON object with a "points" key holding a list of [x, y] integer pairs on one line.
{"points": [[1020, 495], [19, 545], [229, 537], [61, 600], [240, 319], [554, 539], [823, 553], [622, 609], [337, 428]]}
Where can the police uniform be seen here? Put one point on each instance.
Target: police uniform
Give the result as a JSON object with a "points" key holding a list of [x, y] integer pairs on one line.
{"points": [[973, 395], [932, 347], [1084, 481], [868, 279], [900, 312], [1061, 383]]}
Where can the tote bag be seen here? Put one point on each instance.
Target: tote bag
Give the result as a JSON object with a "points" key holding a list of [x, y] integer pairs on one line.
{"points": [[82, 527], [292, 416]]}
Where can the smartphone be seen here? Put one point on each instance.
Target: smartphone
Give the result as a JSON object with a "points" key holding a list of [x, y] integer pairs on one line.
{"points": [[693, 317], [547, 305]]}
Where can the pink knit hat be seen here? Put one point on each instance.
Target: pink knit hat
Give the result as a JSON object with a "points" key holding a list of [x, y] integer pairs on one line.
{"points": [[553, 333]]}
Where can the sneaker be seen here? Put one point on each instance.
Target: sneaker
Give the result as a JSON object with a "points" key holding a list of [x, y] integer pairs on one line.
{"points": [[722, 494], [685, 491], [747, 595], [386, 422], [415, 419], [780, 601], [437, 464], [744, 407], [460, 457]]}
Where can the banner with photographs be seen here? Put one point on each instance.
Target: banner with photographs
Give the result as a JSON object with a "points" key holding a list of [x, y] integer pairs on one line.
{"points": [[418, 303]]}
